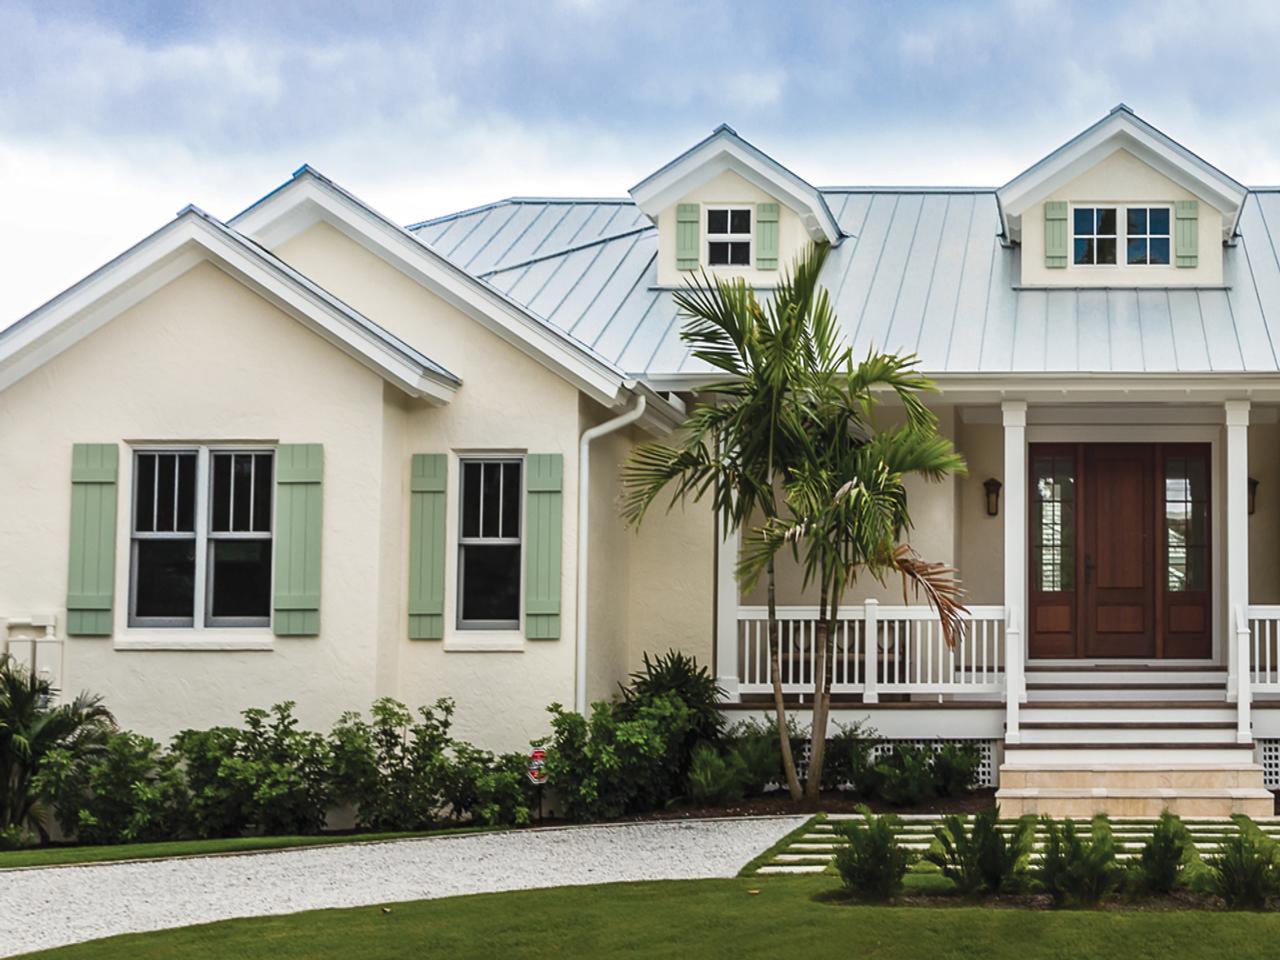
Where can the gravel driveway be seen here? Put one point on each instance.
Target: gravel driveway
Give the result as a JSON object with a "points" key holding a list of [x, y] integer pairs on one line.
{"points": [[48, 907]]}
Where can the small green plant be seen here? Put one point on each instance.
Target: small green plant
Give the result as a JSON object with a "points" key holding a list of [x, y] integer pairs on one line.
{"points": [[1076, 871], [904, 776], [871, 862], [756, 747], [1160, 864], [848, 758], [955, 769], [716, 779], [1243, 871], [984, 858]]}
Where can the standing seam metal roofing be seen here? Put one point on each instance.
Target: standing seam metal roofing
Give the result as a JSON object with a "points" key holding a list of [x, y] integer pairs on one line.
{"points": [[921, 270]]}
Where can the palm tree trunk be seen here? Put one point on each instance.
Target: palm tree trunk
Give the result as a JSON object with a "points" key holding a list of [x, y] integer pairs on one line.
{"points": [[821, 695], [775, 671]]}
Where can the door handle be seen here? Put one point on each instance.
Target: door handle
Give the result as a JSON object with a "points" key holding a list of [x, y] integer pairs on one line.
{"points": [[1088, 569]]}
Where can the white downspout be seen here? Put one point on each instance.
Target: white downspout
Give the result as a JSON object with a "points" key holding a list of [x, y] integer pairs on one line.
{"points": [[584, 500]]}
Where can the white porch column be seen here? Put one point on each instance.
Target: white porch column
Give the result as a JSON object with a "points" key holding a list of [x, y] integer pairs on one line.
{"points": [[1236, 417], [727, 615], [1014, 417]]}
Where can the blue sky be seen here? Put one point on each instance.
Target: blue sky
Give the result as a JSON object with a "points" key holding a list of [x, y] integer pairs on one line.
{"points": [[113, 115]]}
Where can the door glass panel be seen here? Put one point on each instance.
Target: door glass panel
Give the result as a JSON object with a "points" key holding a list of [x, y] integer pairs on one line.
{"points": [[1186, 522], [1053, 523]]}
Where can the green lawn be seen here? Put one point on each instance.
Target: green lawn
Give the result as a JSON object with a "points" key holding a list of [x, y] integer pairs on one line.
{"points": [[57, 856], [711, 918]]}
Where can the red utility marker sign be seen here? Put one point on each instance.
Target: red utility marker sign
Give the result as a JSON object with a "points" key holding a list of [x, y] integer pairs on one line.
{"points": [[537, 767]]}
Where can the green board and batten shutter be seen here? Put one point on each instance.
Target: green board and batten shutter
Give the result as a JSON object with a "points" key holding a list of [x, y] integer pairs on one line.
{"points": [[426, 545], [766, 236], [299, 519], [1055, 233], [1187, 233], [687, 215], [91, 573], [544, 507]]}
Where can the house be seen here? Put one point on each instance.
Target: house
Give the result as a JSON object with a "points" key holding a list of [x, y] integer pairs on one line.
{"points": [[309, 454]]}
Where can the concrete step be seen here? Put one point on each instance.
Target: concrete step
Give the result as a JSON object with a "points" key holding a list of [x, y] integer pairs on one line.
{"points": [[1043, 692], [1069, 732], [1134, 802], [1127, 711], [1166, 776], [1143, 754]]}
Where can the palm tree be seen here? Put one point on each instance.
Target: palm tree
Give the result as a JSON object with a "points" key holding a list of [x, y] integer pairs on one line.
{"points": [[847, 508], [30, 728], [737, 447]]}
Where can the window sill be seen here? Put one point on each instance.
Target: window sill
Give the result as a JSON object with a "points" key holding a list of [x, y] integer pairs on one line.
{"points": [[191, 640], [480, 641]]}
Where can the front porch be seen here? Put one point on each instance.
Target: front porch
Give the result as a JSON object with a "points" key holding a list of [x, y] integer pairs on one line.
{"points": [[1122, 635]]}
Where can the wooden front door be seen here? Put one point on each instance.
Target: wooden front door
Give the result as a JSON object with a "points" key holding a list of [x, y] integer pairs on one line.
{"points": [[1119, 551]]}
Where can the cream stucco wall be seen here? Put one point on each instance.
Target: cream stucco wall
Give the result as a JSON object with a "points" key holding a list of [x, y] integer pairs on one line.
{"points": [[509, 403], [728, 188], [203, 359], [980, 551], [1119, 179], [1264, 525]]}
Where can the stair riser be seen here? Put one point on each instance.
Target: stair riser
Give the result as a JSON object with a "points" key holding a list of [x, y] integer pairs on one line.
{"points": [[1131, 779], [1065, 756], [1043, 713], [1066, 737], [1037, 694], [1104, 678], [1135, 806]]}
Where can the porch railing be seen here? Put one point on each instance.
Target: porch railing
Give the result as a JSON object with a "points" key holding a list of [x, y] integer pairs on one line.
{"points": [[876, 650], [1264, 648]]}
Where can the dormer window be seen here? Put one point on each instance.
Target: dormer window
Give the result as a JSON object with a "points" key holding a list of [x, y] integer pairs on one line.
{"points": [[729, 236], [1095, 236], [1147, 235]]}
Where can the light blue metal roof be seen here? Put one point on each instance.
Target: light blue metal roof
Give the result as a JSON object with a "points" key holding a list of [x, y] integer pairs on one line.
{"points": [[920, 270]]}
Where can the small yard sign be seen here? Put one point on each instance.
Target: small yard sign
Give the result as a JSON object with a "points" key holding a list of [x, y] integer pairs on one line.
{"points": [[537, 767]]}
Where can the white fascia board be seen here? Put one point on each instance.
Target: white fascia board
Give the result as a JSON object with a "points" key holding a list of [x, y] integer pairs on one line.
{"points": [[1121, 130], [725, 151], [168, 253], [310, 198]]}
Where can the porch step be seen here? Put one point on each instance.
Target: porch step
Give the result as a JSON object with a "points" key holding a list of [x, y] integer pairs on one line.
{"points": [[1128, 753], [1125, 712], [1078, 730], [1135, 802], [1166, 688], [1155, 677], [1135, 776]]}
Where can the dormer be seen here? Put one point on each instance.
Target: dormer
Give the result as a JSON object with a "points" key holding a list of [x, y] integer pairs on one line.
{"points": [[1121, 205], [725, 206]]}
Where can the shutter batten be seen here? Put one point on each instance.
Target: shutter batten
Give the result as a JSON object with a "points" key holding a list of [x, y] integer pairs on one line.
{"points": [[766, 236], [299, 522], [544, 506], [1187, 232], [91, 558], [687, 235], [1055, 234], [427, 545]]}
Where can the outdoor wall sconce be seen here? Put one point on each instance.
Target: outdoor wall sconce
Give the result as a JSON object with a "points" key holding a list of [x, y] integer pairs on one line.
{"points": [[992, 486], [1253, 495]]}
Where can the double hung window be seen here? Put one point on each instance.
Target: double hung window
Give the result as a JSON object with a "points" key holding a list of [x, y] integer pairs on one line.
{"points": [[489, 547]]}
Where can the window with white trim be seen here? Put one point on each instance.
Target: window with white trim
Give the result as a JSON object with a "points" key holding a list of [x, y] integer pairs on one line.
{"points": [[729, 236], [200, 551], [1147, 235], [1095, 237], [489, 543]]}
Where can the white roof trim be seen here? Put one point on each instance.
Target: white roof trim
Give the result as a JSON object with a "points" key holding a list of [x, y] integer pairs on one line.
{"points": [[1121, 128], [725, 150], [310, 197], [186, 241]]}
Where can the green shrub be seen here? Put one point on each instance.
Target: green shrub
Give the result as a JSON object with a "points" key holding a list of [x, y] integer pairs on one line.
{"points": [[870, 861], [904, 776], [606, 766], [393, 766], [716, 779], [486, 789], [128, 791], [1159, 865], [14, 837], [848, 758], [757, 749], [269, 776], [983, 857], [955, 769], [1076, 871], [1243, 871], [674, 674]]}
